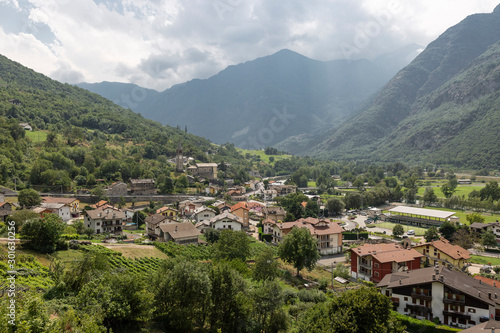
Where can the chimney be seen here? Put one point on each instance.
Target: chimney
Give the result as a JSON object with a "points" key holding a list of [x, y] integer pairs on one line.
{"points": [[175, 229], [400, 282], [441, 278], [433, 277], [480, 282]]}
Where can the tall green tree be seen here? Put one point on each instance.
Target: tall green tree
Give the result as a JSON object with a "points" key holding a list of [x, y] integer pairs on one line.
{"points": [[267, 307], [474, 218], [489, 240], [266, 266], [312, 209], [43, 234], [429, 196], [232, 245], [300, 249], [28, 198], [431, 234], [334, 206], [398, 230], [447, 229]]}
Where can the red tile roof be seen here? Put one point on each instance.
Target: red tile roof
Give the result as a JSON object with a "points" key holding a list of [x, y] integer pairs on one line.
{"points": [[486, 280], [387, 252], [454, 251], [239, 205]]}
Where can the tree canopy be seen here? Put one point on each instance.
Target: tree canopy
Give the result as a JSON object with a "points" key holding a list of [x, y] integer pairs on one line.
{"points": [[300, 249]]}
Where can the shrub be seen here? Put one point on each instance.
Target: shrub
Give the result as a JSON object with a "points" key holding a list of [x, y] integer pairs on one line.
{"points": [[311, 295]]}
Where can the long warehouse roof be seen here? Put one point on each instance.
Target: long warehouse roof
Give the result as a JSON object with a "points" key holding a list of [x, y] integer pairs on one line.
{"points": [[440, 214]]}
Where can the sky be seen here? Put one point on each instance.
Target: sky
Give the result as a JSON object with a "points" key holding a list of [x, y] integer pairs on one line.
{"points": [[160, 43]]}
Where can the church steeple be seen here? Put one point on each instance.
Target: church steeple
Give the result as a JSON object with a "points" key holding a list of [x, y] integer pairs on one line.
{"points": [[179, 162]]}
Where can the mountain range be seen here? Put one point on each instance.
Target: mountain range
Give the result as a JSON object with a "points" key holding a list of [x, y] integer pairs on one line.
{"points": [[444, 107], [262, 102]]}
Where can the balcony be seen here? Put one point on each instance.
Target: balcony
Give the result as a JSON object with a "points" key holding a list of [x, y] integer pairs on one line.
{"points": [[421, 296], [460, 315], [419, 310], [367, 265], [456, 301]]}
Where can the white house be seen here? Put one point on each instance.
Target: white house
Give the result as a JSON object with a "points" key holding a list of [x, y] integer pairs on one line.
{"points": [[60, 209], [203, 214], [104, 220], [226, 220]]}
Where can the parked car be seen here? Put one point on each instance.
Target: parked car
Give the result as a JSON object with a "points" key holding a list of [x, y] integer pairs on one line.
{"points": [[486, 269], [411, 232]]}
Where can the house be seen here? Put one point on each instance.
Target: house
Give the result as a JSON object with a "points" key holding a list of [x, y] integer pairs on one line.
{"points": [[104, 220], [241, 210], [444, 253], [203, 214], [187, 208], [372, 262], [73, 203], [269, 195], [117, 189], [60, 209], [206, 170], [142, 187], [168, 211], [26, 126], [180, 233], [464, 181], [283, 189], [226, 220], [442, 294], [212, 190], [153, 223], [268, 226], [328, 234], [274, 213], [255, 206], [129, 213], [5, 210]]}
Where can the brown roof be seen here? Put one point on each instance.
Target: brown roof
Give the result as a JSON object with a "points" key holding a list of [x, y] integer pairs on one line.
{"points": [[228, 215], [162, 209], [273, 210], [180, 230], [314, 229], [454, 251], [105, 214], [239, 205], [491, 282], [488, 326], [155, 219], [142, 181], [387, 252], [451, 278], [59, 200]]}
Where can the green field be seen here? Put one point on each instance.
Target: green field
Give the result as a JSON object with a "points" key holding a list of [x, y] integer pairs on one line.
{"points": [[311, 183], [461, 190], [36, 136], [485, 260], [389, 225], [262, 155], [462, 214]]}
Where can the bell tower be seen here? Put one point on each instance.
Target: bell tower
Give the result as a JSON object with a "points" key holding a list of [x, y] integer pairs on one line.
{"points": [[179, 161]]}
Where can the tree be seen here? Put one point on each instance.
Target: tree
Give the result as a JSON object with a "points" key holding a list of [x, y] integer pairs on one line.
{"points": [[490, 191], [121, 202], [335, 206], [352, 200], [488, 239], [431, 234], [139, 217], [29, 198], [312, 209], [21, 216], [448, 188], [398, 230], [89, 232], [300, 249], [474, 218], [429, 196], [464, 238], [267, 307], [232, 245], [212, 235], [182, 292], [43, 234], [266, 266], [447, 229]]}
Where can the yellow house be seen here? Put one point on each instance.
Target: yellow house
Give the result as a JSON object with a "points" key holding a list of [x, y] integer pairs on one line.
{"points": [[442, 252], [167, 211]]}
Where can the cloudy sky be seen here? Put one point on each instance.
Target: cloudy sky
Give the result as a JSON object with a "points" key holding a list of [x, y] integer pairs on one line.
{"points": [[159, 43]]}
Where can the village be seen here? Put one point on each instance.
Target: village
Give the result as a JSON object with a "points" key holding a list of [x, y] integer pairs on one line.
{"points": [[424, 279]]}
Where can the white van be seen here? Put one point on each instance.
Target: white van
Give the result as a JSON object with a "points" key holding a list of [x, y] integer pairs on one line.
{"points": [[411, 232]]}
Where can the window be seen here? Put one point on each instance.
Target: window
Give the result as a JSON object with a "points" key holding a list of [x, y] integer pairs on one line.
{"points": [[376, 274], [471, 310], [406, 298], [375, 265]]}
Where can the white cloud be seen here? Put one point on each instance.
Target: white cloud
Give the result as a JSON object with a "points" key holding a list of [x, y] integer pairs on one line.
{"points": [[158, 43]]}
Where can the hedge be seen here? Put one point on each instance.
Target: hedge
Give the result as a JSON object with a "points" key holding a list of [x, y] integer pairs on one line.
{"points": [[414, 325]]}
